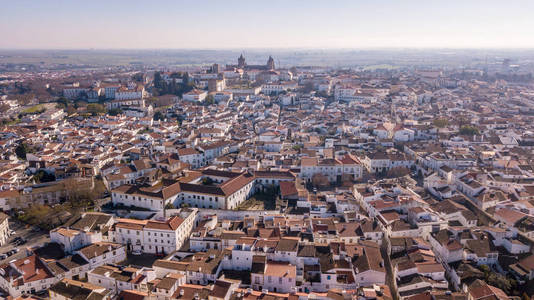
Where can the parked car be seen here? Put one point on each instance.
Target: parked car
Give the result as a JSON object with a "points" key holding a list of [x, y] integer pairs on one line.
{"points": [[42, 293], [137, 252], [3, 256]]}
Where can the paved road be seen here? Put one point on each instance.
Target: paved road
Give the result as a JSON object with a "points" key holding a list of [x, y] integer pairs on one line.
{"points": [[34, 238]]}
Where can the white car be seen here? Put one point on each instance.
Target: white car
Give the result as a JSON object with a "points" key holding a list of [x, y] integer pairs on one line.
{"points": [[137, 252], [12, 232]]}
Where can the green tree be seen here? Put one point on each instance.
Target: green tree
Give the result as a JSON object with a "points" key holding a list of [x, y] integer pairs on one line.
{"points": [[139, 77], [70, 110], [397, 172], [185, 78], [209, 100], [62, 102], [485, 269], [42, 176], [96, 109], [468, 130], [22, 149], [307, 88], [441, 122], [157, 80], [207, 181], [180, 119], [158, 116], [115, 111]]}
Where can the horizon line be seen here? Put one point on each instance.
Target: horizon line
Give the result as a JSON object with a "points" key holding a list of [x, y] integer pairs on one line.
{"points": [[269, 48]]}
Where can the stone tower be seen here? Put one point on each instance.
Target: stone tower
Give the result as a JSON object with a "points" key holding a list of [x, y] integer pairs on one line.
{"points": [[241, 61], [270, 63]]}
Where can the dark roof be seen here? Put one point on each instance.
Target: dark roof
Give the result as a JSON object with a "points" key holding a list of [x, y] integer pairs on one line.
{"points": [[258, 264], [287, 245]]}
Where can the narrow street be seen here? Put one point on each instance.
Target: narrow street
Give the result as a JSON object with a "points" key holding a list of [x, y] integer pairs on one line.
{"points": [[390, 279]]}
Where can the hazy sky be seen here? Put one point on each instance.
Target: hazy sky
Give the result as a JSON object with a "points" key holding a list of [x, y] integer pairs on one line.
{"points": [[268, 23]]}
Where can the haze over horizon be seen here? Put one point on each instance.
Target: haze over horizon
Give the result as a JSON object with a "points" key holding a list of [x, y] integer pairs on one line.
{"points": [[278, 24]]}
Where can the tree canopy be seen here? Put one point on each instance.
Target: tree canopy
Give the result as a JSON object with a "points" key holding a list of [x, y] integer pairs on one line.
{"points": [[23, 149], [174, 87], [469, 130], [158, 116], [440, 122], [95, 109]]}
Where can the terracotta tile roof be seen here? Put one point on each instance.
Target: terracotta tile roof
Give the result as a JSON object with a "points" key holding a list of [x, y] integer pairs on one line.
{"points": [[171, 224], [280, 269]]}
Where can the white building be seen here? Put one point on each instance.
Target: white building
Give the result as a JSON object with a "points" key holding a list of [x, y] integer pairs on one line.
{"points": [[117, 279], [195, 95], [277, 277], [4, 228], [146, 197], [153, 236], [101, 253], [333, 169], [26, 275], [129, 94]]}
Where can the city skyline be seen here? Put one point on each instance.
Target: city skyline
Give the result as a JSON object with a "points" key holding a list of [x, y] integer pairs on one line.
{"points": [[249, 25], [267, 150]]}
